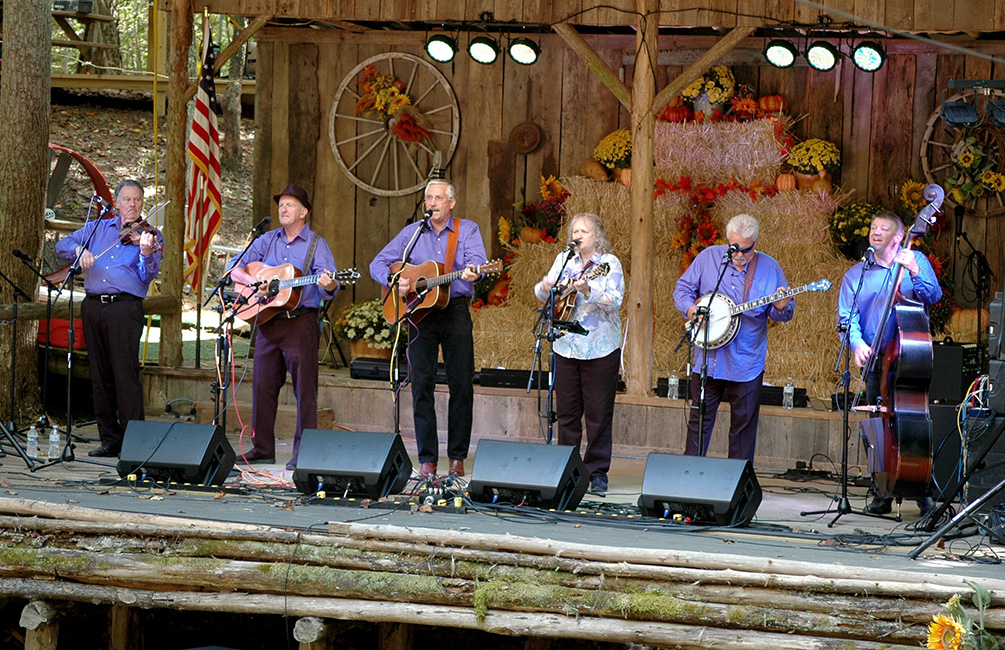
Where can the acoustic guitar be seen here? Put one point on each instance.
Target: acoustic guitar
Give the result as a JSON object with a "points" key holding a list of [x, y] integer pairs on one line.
{"points": [[428, 289], [285, 285], [566, 300]]}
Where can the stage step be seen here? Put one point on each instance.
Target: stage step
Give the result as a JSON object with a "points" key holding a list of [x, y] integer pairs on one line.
{"points": [[286, 417]]}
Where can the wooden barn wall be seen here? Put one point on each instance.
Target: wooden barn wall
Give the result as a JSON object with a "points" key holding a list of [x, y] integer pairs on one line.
{"points": [[924, 15], [878, 121]]}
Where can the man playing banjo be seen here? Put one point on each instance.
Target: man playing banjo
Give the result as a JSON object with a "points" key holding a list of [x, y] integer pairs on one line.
{"points": [[736, 366]]}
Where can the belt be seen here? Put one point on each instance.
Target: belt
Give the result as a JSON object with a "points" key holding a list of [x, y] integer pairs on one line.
{"points": [[293, 313], [107, 298]]}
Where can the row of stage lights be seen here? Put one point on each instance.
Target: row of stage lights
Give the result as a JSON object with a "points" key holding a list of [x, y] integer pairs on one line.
{"points": [[962, 114], [868, 55], [483, 48]]}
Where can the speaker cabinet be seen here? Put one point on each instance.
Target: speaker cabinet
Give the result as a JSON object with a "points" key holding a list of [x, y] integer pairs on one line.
{"points": [[955, 366], [995, 327], [713, 491], [351, 463], [543, 476], [179, 452]]}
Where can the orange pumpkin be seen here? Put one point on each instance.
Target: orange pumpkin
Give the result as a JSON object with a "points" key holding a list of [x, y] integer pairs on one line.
{"points": [[785, 182], [531, 235], [772, 103], [681, 113]]}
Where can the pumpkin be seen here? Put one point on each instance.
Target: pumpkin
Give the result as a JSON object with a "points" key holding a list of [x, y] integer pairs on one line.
{"points": [[772, 103], [962, 324], [591, 168], [497, 294], [822, 185], [624, 176], [785, 182], [680, 113], [531, 235]]}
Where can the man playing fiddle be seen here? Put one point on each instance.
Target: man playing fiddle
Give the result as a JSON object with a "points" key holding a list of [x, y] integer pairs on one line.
{"points": [[919, 283], [116, 280]]}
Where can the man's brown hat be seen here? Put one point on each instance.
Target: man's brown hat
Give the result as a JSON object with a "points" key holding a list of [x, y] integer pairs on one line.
{"points": [[296, 192]]}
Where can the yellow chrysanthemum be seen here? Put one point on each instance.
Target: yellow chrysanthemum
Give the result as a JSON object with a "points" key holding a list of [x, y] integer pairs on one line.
{"points": [[945, 633], [912, 195], [550, 187], [505, 231]]}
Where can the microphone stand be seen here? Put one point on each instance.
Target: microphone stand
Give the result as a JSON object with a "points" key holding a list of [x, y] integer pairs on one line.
{"points": [[11, 427], [983, 289]]}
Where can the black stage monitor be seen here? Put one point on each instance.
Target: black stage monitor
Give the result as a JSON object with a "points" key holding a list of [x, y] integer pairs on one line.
{"points": [[712, 491], [352, 463], [543, 476], [179, 452]]}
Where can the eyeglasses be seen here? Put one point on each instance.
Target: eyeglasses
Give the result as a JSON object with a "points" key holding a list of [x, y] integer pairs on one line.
{"points": [[437, 198], [747, 249]]}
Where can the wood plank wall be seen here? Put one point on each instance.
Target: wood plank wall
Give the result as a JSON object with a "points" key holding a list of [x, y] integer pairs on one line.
{"points": [[876, 119]]}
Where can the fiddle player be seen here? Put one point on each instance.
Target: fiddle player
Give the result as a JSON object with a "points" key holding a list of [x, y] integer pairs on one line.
{"points": [[457, 244], [288, 341], [737, 368], [586, 366], [115, 281], [919, 283]]}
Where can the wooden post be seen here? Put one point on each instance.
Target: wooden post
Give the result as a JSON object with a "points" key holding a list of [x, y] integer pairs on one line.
{"points": [[124, 628], [395, 636], [172, 266], [312, 633], [41, 620], [638, 347]]}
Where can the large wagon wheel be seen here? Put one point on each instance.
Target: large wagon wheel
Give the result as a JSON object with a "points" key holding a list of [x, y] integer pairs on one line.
{"points": [[936, 155], [365, 145]]}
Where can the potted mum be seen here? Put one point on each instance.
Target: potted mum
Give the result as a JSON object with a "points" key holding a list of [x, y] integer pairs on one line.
{"points": [[712, 92], [814, 160], [615, 153], [364, 326]]}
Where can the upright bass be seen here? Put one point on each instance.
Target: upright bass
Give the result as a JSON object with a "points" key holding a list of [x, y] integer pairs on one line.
{"points": [[900, 440]]}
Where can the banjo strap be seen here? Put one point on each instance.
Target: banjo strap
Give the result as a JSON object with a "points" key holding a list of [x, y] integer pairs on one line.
{"points": [[748, 280]]}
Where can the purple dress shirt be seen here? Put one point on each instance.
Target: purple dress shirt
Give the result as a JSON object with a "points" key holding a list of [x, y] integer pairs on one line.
{"points": [[121, 269], [432, 246], [742, 359]]}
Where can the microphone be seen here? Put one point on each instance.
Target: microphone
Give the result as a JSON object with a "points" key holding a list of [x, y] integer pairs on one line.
{"points": [[427, 215], [733, 248], [261, 226], [869, 251], [21, 256], [572, 245], [105, 205]]}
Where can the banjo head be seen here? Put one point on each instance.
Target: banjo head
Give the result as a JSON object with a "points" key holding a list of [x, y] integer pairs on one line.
{"points": [[722, 326]]}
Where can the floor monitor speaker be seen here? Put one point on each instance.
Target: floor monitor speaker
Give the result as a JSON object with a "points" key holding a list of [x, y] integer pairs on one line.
{"points": [[532, 474], [352, 463], [179, 452], [713, 491]]}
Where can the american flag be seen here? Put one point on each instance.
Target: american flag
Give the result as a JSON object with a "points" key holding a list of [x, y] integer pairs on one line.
{"points": [[204, 209]]}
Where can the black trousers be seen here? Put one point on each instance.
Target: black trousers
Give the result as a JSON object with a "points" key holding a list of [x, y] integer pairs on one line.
{"points": [[112, 333], [745, 411], [586, 388]]}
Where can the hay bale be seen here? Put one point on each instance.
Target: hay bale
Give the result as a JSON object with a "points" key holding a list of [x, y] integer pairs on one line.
{"points": [[712, 153]]}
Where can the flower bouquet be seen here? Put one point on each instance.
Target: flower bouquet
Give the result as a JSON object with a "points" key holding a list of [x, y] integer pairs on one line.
{"points": [[974, 172], [615, 150], [814, 156], [849, 226], [716, 87], [364, 321]]}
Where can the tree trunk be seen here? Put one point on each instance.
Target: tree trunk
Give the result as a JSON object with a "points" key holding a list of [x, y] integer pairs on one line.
{"points": [[24, 168], [230, 155]]}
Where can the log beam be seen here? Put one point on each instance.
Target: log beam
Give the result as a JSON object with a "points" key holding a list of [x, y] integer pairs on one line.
{"points": [[253, 27], [599, 67]]}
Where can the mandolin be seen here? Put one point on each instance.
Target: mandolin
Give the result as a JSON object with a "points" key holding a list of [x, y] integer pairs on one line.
{"points": [[285, 284], [565, 302]]}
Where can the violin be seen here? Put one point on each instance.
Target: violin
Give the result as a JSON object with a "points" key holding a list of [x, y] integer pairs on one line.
{"points": [[131, 233]]}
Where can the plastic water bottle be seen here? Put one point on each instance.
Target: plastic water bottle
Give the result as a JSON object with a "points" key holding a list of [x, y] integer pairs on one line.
{"points": [[32, 449], [54, 444], [673, 387], [788, 395]]}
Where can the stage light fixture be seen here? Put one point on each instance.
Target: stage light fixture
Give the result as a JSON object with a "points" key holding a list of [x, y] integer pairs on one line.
{"points": [[822, 56], [483, 49], [441, 47], [996, 111], [781, 54], [960, 114], [868, 56], [524, 51]]}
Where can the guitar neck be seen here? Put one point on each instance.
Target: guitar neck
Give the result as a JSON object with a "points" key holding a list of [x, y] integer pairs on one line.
{"points": [[753, 304], [303, 280], [445, 279]]}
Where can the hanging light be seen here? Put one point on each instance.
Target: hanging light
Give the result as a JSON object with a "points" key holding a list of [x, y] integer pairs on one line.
{"points": [[483, 49], [822, 56], [441, 47], [868, 56], [524, 51], [960, 114], [780, 53], [996, 111]]}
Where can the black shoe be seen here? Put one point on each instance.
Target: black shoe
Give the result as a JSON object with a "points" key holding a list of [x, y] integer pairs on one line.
{"points": [[925, 505], [104, 451], [292, 465], [880, 506], [254, 456], [598, 486]]}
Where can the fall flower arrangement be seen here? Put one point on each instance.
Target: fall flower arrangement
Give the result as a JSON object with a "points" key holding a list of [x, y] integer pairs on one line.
{"points": [[814, 156], [719, 84], [615, 150], [849, 225], [364, 320], [957, 630], [974, 172], [381, 93]]}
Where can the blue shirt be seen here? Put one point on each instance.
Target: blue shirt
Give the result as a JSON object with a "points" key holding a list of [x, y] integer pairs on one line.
{"points": [[598, 313], [272, 249], [121, 268], [742, 359], [433, 246], [874, 295]]}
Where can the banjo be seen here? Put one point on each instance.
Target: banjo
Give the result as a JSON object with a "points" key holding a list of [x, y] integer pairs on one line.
{"points": [[723, 320]]}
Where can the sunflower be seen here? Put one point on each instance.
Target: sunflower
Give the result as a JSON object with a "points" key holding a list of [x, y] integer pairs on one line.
{"points": [[707, 232], [550, 187], [967, 159], [994, 181], [945, 633], [912, 195]]}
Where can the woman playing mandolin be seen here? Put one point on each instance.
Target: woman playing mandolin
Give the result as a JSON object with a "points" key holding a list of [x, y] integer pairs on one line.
{"points": [[591, 289]]}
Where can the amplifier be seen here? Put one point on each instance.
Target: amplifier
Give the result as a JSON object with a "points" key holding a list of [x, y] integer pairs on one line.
{"points": [[954, 367], [79, 6], [380, 369], [503, 378]]}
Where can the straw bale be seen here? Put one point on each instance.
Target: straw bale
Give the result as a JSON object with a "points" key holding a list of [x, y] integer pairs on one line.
{"points": [[712, 153]]}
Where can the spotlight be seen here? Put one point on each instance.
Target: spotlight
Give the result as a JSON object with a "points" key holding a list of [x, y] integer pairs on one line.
{"points": [[781, 54], [868, 56], [441, 47], [996, 109], [524, 51], [960, 114], [822, 56], [483, 49]]}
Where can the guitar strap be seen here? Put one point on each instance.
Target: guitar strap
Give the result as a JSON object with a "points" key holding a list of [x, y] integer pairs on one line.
{"points": [[309, 258], [748, 280], [448, 266]]}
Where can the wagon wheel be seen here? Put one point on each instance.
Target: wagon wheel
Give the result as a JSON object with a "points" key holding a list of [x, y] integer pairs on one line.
{"points": [[937, 146], [365, 144]]}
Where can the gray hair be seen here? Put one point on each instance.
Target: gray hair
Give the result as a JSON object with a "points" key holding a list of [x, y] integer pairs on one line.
{"points": [[451, 193], [603, 244], [744, 226], [129, 182]]}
